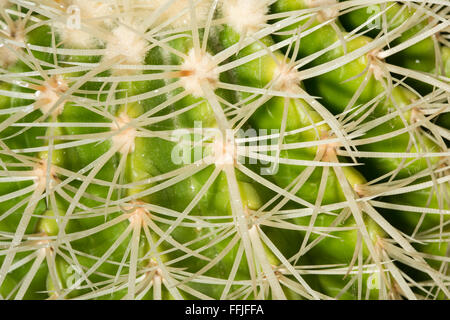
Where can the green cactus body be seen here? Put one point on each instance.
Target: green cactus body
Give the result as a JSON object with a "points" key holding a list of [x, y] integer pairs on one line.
{"points": [[222, 150]]}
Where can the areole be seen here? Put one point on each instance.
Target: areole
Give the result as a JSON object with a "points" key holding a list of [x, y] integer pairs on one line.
{"points": [[215, 149]]}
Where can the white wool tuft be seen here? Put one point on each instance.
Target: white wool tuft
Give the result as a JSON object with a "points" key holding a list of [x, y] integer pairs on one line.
{"points": [[49, 93], [7, 57], [136, 212], [126, 42], [375, 65], [75, 38], [326, 13], [94, 9], [225, 153], [286, 78], [245, 15], [16, 33], [4, 3], [124, 139], [73, 35], [416, 115], [202, 8], [197, 69], [40, 174]]}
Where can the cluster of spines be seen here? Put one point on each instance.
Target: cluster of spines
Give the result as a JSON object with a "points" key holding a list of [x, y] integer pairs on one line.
{"points": [[146, 257]]}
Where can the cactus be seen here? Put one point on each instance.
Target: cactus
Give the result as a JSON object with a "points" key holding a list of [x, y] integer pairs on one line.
{"points": [[224, 149]]}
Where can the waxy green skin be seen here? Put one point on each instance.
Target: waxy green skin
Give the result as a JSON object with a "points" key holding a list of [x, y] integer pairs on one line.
{"points": [[148, 159], [260, 72], [336, 91], [327, 87], [420, 198], [420, 56], [313, 41], [25, 139], [150, 155], [338, 87]]}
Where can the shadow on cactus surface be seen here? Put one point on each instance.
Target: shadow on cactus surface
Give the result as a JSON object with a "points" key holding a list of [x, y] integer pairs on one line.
{"points": [[232, 149]]}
